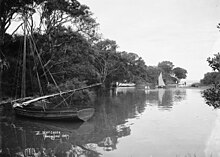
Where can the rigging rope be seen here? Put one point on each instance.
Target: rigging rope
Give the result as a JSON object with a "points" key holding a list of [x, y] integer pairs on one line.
{"points": [[40, 60], [38, 79]]}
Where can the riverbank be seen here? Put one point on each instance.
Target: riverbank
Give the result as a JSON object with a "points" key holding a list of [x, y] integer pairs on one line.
{"points": [[197, 87]]}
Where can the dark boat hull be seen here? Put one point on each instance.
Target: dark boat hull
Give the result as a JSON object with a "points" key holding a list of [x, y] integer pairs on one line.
{"points": [[62, 114]]}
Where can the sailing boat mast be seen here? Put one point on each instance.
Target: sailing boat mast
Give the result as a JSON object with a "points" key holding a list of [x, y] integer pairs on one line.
{"points": [[23, 84]]}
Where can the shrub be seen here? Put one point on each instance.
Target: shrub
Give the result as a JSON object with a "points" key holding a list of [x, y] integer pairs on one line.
{"points": [[212, 96]]}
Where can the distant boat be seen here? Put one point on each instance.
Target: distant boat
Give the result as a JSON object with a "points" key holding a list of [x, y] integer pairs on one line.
{"points": [[126, 85], [161, 83]]}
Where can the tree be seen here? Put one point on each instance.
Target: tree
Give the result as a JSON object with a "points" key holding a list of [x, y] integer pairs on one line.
{"points": [[60, 13], [179, 73], [113, 66], [136, 67], [166, 66], [106, 60], [54, 44], [211, 78], [132, 68], [3, 66], [8, 10], [214, 62], [53, 13], [212, 94], [152, 74], [71, 57]]}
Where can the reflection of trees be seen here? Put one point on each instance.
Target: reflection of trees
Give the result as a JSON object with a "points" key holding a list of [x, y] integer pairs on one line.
{"points": [[103, 130], [112, 113], [115, 110], [1, 115], [26, 138], [165, 98], [179, 95]]}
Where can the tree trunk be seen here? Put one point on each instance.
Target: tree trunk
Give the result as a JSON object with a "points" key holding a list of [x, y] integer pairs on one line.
{"points": [[107, 84]]}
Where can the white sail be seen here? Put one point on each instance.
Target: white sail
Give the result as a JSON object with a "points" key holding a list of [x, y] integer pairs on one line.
{"points": [[160, 81]]}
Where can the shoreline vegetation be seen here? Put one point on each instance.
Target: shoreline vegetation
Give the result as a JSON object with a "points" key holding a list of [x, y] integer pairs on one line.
{"points": [[76, 54], [212, 94], [8, 100]]}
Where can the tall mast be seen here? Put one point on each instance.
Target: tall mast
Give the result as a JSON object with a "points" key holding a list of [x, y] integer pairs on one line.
{"points": [[23, 84]]}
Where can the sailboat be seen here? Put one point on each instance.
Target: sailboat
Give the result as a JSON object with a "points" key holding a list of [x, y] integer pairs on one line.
{"points": [[36, 107], [161, 83]]}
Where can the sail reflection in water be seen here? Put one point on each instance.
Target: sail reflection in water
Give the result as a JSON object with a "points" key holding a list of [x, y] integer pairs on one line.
{"points": [[164, 98]]}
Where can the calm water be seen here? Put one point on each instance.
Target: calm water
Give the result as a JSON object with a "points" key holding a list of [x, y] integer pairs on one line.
{"points": [[129, 123]]}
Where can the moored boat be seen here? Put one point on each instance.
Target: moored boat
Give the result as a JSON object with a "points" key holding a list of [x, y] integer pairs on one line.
{"points": [[37, 108], [126, 85], [62, 107], [55, 114]]}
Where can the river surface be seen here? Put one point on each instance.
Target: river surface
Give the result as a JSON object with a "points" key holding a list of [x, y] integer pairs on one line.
{"points": [[129, 123]]}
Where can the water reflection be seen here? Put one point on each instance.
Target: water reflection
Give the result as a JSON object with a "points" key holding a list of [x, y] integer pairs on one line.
{"points": [[22, 137], [1, 115], [38, 138], [165, 98]]}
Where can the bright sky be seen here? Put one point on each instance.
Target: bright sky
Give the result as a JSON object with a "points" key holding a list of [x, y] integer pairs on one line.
{"points": [[181, 31]]}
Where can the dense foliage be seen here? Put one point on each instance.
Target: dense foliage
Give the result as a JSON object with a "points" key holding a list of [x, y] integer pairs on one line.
{"points": [[179, 73], [214, 62], [212, 94], [166, 66], [65, 51], [210, 78]]}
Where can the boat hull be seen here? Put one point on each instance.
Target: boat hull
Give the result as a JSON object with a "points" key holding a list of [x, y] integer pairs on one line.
{"points": [[82, 114]]}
